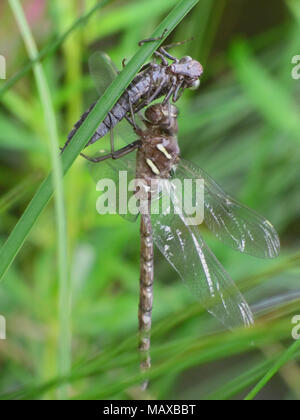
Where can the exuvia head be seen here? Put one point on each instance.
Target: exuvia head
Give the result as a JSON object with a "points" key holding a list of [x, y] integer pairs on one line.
{"points": [[190, 70]]}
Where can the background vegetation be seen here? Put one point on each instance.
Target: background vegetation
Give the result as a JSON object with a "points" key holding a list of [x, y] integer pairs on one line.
{"points": [[75, 316]]}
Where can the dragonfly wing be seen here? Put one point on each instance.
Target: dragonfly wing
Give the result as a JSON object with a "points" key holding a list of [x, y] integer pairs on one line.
{"points": [[121, 172], [102, 70], [184, 248], [231, 222]]}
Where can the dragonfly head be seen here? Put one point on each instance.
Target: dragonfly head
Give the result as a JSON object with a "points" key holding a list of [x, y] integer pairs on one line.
{"points": [[190, 71]]}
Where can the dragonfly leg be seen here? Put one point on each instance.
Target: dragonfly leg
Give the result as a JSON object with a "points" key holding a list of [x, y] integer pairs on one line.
{"points": [[111, 136], [171, 91], [131, 120], [62, 149], [153, 39], [177, 94], [161, 57], [154, 96], [160, 54], [115, 155], [96, 159], [150, 99], [127, 149], [163, 53], [176, 44], [156, 93]]}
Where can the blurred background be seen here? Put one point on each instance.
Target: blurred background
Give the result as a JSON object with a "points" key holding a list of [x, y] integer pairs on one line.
{"points": [[242, 126]]}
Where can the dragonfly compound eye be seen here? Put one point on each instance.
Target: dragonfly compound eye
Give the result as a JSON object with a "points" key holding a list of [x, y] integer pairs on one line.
{"points": [[195, 85]]}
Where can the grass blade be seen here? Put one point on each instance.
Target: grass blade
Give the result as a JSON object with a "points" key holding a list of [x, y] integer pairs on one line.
{"points": [[269, 97], [64, 353], [287, 355]]}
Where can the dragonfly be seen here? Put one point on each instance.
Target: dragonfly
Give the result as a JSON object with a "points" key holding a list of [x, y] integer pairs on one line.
{"points": [[153, 81], [155, 156]]}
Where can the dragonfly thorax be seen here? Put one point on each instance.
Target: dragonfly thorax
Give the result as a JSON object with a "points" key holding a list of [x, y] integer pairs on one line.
{"points": [[157, 155], [162, 118]]}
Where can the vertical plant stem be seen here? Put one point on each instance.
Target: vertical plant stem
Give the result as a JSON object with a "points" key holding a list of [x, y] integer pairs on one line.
{"points": [[64, 345]]}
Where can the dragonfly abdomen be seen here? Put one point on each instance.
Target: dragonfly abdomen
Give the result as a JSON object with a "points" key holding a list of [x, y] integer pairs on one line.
{"points": [[146, 291], [142, 87]]}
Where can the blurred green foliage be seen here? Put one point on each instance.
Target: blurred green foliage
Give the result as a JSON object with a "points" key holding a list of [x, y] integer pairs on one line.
{"points": [[242, 126]]}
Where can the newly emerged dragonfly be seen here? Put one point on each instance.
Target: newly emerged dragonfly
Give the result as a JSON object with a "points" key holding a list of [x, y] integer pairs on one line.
{"points": [[158, 158], [152, 82]]}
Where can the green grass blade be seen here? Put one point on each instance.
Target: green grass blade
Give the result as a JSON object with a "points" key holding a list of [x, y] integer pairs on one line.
{"points": [[287, 355], [129, 14], [241, 382], [269, 97], [18, 192], [106, 102], [64, 353], [246, 379], [51, 48]]}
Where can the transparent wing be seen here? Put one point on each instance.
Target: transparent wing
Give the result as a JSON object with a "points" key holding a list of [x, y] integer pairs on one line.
{"points": [[121, 172], [231, 222], [184, 248], [102, 70]]}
